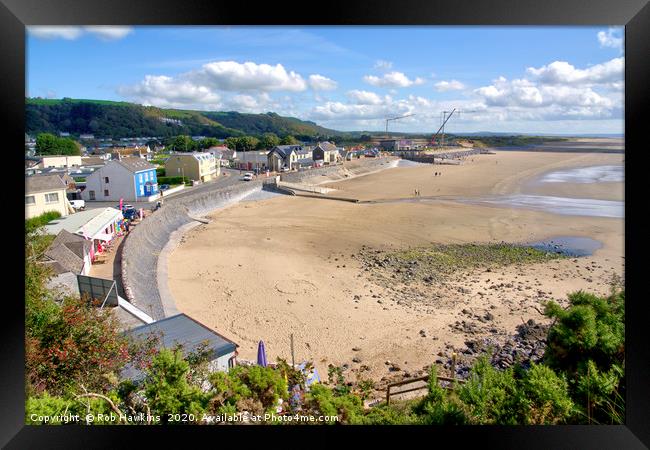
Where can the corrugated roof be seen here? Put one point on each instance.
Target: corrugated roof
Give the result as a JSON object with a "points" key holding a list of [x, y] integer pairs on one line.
{"points": [[74, 222], [183, 330], [43, 183]]}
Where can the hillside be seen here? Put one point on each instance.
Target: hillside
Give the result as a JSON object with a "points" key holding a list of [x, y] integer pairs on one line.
{"points": [[123, 120]]}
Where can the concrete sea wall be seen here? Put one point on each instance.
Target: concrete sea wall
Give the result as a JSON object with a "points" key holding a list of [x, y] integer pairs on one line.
{"points": [[146, 248]]}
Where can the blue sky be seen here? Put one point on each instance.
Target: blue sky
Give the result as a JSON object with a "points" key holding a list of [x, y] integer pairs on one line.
{"points": [[520, 79]]}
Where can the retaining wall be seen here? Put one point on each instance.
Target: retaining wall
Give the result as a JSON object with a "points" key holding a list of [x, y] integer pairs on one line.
{"points": [[145, 278], [431, 159], [146, 241]]}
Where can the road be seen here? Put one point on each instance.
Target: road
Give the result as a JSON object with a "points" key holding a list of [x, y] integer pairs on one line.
{"points": [[228, 177]]}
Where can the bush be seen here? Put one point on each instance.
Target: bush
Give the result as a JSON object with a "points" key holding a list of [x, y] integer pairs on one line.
{"points": [[34, 223], [592, 328], [167, 389], [172, 180], [322, 401], [546, 396]]}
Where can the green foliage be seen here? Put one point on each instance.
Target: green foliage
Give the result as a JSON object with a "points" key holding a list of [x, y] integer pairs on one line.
{"points": [[39, 221], [172, 180], [48, 144], [491, 395], [320, 400], [598, 390], [387, 415], [58, 409], [592, 328], [252, 388], [268, 141], [546, 397], [183, 143], [123, 120], [438, 408], [167, 389], [288, 140]]}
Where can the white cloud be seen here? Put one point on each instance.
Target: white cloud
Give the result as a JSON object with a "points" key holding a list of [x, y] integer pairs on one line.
{"points": [[383, 65], [106, 33], [611, 38], [321, 83], [55, 32], [364, 97], [169, 92], [109, 33], [561, 72], [452, 85], [392, 79], [234, 76]]}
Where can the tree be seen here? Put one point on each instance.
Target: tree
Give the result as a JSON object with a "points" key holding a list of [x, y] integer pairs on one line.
{"points": [[268, 141], [183, 143], [48, 144], [207, 143], [232, 143], [288, 140], [247, 143]]}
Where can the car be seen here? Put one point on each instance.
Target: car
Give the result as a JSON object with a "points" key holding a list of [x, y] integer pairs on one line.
{"points": [[130, 213], [247, 177], [78, 204], [285, 169], [164, 187]]}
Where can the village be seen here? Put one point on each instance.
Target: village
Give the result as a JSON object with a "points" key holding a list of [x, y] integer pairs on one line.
{"points": [[95, 200]]}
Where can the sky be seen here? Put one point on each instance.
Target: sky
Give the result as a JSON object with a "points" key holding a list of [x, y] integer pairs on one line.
{"points": [[554, 80]]}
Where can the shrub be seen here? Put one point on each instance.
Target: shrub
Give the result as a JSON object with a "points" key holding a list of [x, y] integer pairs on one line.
{"points": [[322, 401], [34, 223], [546, 396]]}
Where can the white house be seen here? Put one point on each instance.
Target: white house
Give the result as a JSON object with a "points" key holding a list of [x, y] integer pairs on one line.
{"points": [[190, 334], [132, 179]]}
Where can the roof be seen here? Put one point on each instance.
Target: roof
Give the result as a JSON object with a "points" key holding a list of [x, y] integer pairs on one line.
{"points": [[68, 250], [43, 183], [63, 260], [73, 222], [327, 146], [180, 329], [285, 150], [93, 161], [134, 165]]}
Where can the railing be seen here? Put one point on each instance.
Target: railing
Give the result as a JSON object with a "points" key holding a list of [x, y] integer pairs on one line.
{"points": [[415, 380]]}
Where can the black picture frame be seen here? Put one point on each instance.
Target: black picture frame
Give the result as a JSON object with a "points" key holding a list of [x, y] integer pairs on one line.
{"points": [[633, 14]]}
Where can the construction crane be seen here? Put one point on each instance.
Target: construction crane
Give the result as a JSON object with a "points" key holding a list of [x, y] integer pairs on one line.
{"points": [[395, 118], [445, 118]]}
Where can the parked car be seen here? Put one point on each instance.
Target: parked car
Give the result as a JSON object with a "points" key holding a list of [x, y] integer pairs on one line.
{"points": [[164, 187], [78, 204], [285, 169], [130, 213], [248, 176]]}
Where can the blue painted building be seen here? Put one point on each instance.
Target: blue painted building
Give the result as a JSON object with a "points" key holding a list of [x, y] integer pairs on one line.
{"points": [[132, 179]]}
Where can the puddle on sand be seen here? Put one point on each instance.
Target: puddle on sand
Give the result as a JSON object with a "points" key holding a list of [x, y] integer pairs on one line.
{"points": [[568, 245]]}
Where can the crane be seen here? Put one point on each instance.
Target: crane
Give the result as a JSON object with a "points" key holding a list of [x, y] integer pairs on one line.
{"points": [[442, 127], [395, 118]]}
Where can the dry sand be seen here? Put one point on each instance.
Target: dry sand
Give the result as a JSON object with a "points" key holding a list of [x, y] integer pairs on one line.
{"points": [[266, 269]]}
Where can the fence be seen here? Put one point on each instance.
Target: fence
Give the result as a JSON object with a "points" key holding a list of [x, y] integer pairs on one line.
{"points": [[420, 387]]}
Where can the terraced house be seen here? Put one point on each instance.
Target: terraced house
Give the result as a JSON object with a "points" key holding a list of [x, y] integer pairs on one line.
{"points": [[132, 179], [196, 166]]}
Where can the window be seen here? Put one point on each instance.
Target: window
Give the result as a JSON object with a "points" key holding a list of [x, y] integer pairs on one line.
{"points": [[105, 192], [146, 176], [91, 195], [30, 200], [141, 190], [52, 198], [140, 178], [105, 179]]}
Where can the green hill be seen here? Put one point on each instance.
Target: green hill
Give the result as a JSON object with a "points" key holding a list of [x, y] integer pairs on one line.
{"points": [[116, 120]]}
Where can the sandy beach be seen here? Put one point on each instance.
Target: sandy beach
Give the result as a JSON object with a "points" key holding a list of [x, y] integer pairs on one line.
{"points": [[266, 269]]}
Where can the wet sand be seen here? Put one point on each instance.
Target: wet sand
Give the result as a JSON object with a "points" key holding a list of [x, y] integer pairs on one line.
{"points": [[266, 269]]}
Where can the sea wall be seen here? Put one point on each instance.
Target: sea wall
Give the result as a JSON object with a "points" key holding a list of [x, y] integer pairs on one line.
{"points": [[340, 171], [440, 158], [147, 240], [145, 251]]}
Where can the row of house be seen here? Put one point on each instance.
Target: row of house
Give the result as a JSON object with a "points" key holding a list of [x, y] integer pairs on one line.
{"points": [[295, 156]]}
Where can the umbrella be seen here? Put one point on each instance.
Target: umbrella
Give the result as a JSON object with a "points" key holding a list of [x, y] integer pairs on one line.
{"points": [[261, 354]]}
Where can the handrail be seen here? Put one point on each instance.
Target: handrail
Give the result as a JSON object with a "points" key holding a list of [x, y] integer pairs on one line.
{"points": [[413, 380]]}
